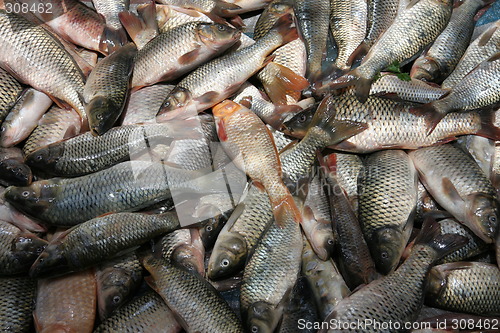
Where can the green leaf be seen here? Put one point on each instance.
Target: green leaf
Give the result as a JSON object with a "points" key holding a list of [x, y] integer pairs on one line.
{"points": [[404, 76], [394, 67]]}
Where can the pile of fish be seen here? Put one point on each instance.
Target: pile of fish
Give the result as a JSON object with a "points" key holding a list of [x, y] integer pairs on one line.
{"points": [[249, 165]]}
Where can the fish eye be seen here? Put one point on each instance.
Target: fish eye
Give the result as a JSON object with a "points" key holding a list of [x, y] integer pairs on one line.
{"points": [[166, 104], [302, 118], [384, 255], [39, 157], [330, 241], [255, 329], [116, 299], [492, 219], [99, 116], [221, 27], [209, 228], [25, 194], [224, 262]]}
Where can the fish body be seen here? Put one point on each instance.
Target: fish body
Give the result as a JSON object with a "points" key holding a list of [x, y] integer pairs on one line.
{"points": [[16, 307], [107, 87], [470, 287], [184, 247], [465, 192], [270, 15], [10, 90], [381, 14], [66, 254], [66, 303], [387, 189], [113, 32], [117, 280], [217, 7], [180, 289], [13, 171], [24, 117], [481, 149], [143, 104], [36, 58], [169, 17]]}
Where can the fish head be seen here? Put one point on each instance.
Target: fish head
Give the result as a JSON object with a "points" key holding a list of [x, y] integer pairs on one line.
{"points": [[15, 172], [178, 98], [423, 68], [218, 35], [102, 115], [50, 263], [33, 199], [298, 125], [113, 288], [27, 248], [227, 257], [45, 158], [482, 214], [386, 249], [436, 281], [279, 8], [262, 317]]}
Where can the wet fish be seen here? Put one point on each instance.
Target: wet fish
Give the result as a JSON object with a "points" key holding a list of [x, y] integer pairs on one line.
{"points": [[36, 58], [65, 254], [183, 247], [313, 18], [457, 183], [169, 17], [412, 30], [218, 79], [348, 24], [117, 280], [269, 276], [143, 104], [181, 290], [113, 32], [387, 188], [24, 117], [425, 204], [13, 216], [381, 14], [66, 303], [181, 50], [386, 120], [147, 313], [216, 7], [270, 15], [481, 149], [10, 90], [107, 87], [16, 307], [394, 289], [442, 57], [18, 249], [13, 171], [481, 49], [470, 287], [324, 279], [354, 259]]}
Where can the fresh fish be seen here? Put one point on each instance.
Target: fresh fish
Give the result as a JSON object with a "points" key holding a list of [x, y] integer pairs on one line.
{"points": [[474, 247], [387, 188], [104, 237], [381, 14], [348, 23], [117, 280], [481, 49], [211, 229], [393, 291], [393, 125], [107, 87], [218, 79], [18, 249], [457, 183], [183, 247], [66, 303], [425, 204], [24, 117], [269, 276], [113, 32], [143, 28], [127, 186], [470, 287], [414, 90], [178, 51], [85, 153], [271, 14], [147, 313], [355, 262], [443, 56], [13, 171], [476, 90], [215, 7], [37, 59], [143, 104], [412, 30], [324, 279], [14, 217], [481, 149], [16, 307], [10, 90], [313, 18], [169, 17], [183, 291], [57, 124]]}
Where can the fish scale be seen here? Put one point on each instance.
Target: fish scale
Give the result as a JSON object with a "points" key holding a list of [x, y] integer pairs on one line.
{"points": [[381, 14], [16, 304], [10, 89], [40, 60]]}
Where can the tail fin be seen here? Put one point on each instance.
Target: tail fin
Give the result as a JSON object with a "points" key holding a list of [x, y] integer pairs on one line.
{"points": [[363, 86], [488, 129], [280, 114], [284, 27], [431, 116], [358, 54], [112, 39], [336, 130], [284, 210], [137, 29], [443, 244], [225, 9], [283, 81], [347, 80]]}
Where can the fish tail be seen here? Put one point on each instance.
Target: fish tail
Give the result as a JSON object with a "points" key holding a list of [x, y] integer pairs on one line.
{"points": [[349, 79], [133, 25], [363, 86], [488, 129], [432, 117], [283, 81], [284, 27], [335, 130], [285, 209], [358, 54], [281, 113], [225, 9], [443, 244]]}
